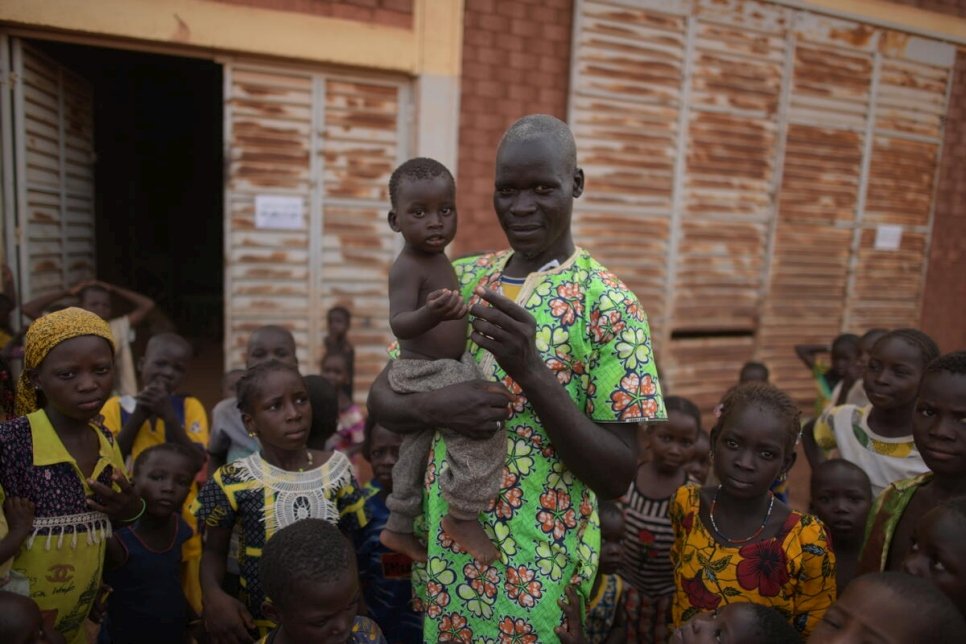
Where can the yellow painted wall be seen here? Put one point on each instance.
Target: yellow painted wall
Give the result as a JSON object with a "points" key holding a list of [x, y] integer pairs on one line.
{"points": [[433, 46]]}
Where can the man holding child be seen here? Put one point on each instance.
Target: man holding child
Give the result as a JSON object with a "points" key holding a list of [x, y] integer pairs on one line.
{"points": [[565, 349]]}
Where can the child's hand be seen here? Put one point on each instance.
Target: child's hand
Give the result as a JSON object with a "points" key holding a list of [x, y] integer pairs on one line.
{"points": [[447, 305], [80, 286], [573, 633], [19, 513], [227, 620], [120, 505], [151, 399]]}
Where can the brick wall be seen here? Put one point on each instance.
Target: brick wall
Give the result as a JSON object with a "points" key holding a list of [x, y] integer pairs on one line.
{"points": [[395, 13], [944, 304], [516, 61]]}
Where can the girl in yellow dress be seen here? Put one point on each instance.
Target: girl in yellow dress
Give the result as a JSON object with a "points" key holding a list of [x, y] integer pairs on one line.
{"points": [[735, 542]]}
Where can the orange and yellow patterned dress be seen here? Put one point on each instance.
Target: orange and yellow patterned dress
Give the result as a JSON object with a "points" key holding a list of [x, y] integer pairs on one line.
{"points": [[793, 572]]}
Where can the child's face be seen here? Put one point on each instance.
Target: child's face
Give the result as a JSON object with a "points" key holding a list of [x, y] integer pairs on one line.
{"points": [[325, 613], [939, 554], [611, 535], [939, 426], [334, 370], [672, 443], [867, 611], [77, 376], [841, 498], [893, 374], [280, 413], [700, 463], [165, 363], [844, 358], [338, 324], [270, 344], [22, 623], [163, 481], [97, 302], [383, 454], [749, 452], [730, 624], [425, 213]]}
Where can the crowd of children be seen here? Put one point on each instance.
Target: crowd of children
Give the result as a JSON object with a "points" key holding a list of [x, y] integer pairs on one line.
{"points": [[293, 517]]}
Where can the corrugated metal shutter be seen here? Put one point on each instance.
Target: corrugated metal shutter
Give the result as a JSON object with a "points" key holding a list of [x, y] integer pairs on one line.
{"points": [[53, 159], [332, 141], [754, 149]]}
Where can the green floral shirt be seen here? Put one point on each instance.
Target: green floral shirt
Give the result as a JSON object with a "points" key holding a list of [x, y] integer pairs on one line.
{"points": [[593, 333]]}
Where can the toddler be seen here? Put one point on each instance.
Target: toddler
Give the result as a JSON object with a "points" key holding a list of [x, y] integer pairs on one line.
{"points": [[429, 318], [742, 623], [338, 320], [22, 623], [284, 482], [841, 496], [606, 619], [350, 431], [385, 575], [938, 553], [648, 535], [147, 604], [735, 542], [879, 438], [308, 571], [890, 607], [940, 438]]}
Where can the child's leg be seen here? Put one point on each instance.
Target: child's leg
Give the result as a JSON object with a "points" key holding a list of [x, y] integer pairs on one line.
{"points": [[469, 484], [405, 502]]}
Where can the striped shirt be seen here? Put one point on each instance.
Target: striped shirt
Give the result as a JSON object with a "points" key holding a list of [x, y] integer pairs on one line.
{"points": [[647, 543]]}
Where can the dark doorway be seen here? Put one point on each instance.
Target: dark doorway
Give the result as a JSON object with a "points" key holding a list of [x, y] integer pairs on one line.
{"points": [[158, 179]]}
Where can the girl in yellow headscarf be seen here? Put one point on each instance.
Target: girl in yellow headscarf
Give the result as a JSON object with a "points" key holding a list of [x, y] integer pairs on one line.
{"points": [[62, 478]]}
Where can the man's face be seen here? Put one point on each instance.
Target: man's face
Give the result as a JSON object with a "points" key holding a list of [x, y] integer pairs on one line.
{"points": [[534, 195]]}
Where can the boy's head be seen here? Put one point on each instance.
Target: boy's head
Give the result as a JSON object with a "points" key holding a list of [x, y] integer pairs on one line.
{"points": [[890, 607], [271, 342], [700, 464], [308, 572], [163, 475], [423, 196], [21, 621], [611, 535], [938, 426], [938, 553], [165, 361], [229, 383], [753, 372], [739, 623], [338, 320], [841, 497], [845, 354], [381, 449], [536, 182], [96, 299]]}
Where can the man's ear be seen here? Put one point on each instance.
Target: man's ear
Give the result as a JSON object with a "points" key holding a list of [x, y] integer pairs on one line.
{"points": [[391, 218], [578, 182]]}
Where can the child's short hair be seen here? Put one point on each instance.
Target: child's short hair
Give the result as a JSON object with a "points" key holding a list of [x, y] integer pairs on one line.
{"points": [[177, 449], [91, 288], [927, 347], [250, 384], [166, 339], [417, 169], [310, 550], [764, 395], [609, 506], [939, 618], [846, 341], [754, 366], [833, 464], [953, 363], [338, 308], [684, 406]]}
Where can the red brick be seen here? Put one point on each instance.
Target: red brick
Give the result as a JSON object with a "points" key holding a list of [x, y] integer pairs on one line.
{"points": [[393, 18], [480, 6], [556, 33], [474, 70], [477, 38], [524, 27], [490, 22]]}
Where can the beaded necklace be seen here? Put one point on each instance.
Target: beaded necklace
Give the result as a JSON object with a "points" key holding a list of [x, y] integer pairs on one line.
{"points": [[714, 504]]}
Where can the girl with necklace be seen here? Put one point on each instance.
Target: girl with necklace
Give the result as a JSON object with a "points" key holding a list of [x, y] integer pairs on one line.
{"points": [[735, 542], [283, 483]]}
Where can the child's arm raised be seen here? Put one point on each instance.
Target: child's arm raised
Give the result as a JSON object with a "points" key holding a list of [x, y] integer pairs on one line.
{"points": [[406, 317], [808, 352], [142, 303], [226, 619]]}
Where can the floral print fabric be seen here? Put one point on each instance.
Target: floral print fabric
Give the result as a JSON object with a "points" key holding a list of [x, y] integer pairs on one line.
{"points": [[593, 334], [793, 572]]}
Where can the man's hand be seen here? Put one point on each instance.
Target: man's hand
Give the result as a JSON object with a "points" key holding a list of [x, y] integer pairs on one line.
{"points": [[474, 409], [447, 305], [506, 330]]}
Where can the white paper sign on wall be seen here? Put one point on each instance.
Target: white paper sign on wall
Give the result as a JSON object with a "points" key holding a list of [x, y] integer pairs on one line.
{"points": [[888, 237], [278, 212]]}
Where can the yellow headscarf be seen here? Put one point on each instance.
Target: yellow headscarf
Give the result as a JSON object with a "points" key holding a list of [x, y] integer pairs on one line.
{"points": [[45, 334]]}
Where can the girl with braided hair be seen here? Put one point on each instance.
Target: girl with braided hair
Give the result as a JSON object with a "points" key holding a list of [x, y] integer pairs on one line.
{"points": [[62, 480]]}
